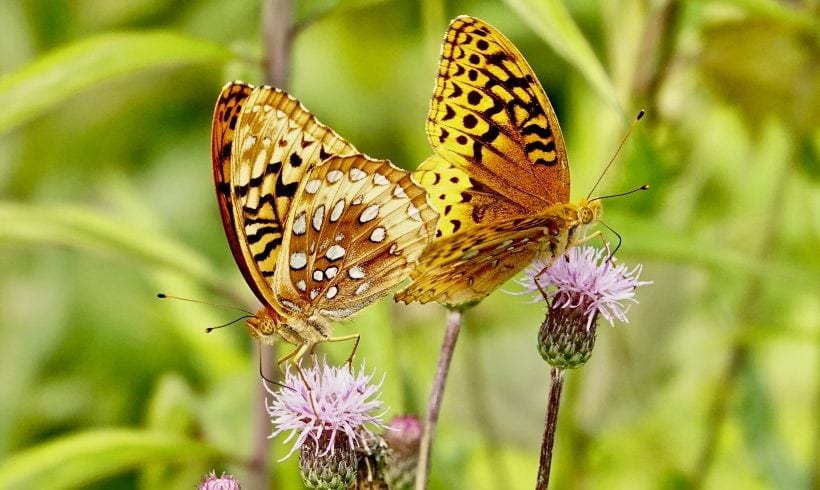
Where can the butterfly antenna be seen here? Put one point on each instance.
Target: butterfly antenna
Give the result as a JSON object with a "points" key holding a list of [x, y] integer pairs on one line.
{"points": [[268, 380], [620, 240], [211, 329], [169, 296], [623, 142], [641, 188]]}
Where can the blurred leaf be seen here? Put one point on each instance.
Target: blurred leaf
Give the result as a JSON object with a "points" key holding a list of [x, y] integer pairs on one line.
{"points": [[82, 458], [739, 59], [759, 426], [778, 11], [56, 76], [310, 12], [809, 152], [228, 413], [84, 228], [551, 20], [433, 16], [657, 241], [172, 408], [493, 467], [78, 227]]}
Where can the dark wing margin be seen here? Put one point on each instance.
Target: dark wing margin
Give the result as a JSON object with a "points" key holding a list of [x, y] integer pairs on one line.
{"points": [[226, 115]]}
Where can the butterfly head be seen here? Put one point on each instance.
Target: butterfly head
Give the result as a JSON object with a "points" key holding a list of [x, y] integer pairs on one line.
{"points": [[589, 211], [264, 326]]}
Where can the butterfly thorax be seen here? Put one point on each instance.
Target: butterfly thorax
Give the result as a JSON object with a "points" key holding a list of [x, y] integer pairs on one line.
{"points": [[562, 226], [268, 325]]}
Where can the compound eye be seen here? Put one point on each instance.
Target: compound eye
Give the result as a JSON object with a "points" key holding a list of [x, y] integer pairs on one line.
{"points": [[266, 327]]}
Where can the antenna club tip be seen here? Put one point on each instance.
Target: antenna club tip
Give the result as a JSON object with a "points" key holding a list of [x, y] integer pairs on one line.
{"points": [[645, 187], [640, 115], [161, 295], [209, 329]]}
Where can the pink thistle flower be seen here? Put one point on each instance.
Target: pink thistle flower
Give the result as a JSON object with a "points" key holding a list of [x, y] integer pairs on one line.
{"points": [[404, 439], [584, 279], [223, 482], [580, 286], [345, 404]]}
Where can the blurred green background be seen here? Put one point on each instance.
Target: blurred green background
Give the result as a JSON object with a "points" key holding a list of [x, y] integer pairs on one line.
{"points": [[107, 198]]}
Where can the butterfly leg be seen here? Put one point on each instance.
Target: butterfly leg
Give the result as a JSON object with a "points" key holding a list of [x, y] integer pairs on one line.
{"points": [[537, 280], [355, 346], [596, 234], [600, 235], [310, 391], [293, 355]]}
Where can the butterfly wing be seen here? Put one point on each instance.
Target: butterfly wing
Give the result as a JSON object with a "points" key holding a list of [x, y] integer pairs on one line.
{"points": [[262, 142], [461, 201], [469, 265], [490, 118], [355, 229]]}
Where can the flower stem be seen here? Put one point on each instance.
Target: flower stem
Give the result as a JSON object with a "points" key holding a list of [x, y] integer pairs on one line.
{"points": [[452, 328], [548, 442], [259, 472], [276, 23]]}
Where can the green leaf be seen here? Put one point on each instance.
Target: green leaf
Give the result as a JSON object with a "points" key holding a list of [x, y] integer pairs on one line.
{"points": [[737, 64], [54, 77], [84, 228], [765, 444], [553, 23], [79, 459], [780, 12], [652, 241]]}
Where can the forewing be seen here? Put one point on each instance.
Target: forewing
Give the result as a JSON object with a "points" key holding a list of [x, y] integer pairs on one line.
{"points": [[471, 264], [356, 228], [490, 117], [263, 140]]}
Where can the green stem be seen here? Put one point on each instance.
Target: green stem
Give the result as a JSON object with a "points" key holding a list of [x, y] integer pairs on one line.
{"points": [[657, 51], [276, 26], [550, 425], [452, 328]]}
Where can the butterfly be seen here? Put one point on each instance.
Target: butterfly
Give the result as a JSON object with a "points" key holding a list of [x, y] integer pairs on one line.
{"points": [[499, 177], [318, 230]]}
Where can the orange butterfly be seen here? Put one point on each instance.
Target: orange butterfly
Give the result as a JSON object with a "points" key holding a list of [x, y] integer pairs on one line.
{"points": [[499, 177]]}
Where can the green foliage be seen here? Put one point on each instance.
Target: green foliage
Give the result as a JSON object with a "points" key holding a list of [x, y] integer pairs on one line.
{"points": [[83, 458], [54, 77], [106, 198], [552, 21]]}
